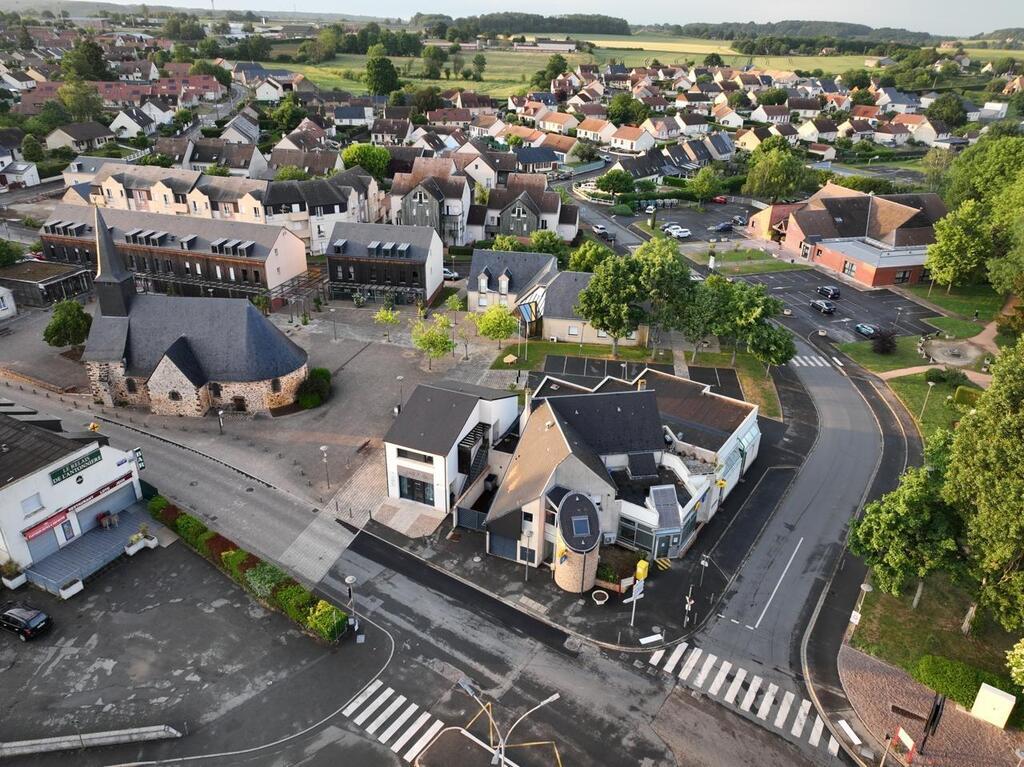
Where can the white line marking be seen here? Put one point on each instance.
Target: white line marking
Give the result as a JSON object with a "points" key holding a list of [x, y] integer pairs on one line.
{"points": [[402, 718], [420, 744], [816, 731], [377, 703], [716, 685], [787, 701], [709, 661], [849, 732], [838, 363], [410, 732], [801, 719], [819, 362], [385, 715], [734, 688], [656, 657], [776, 589], [833, 746], [352, 707], [795, 362], [748, 699], [690, 663], [766, 702], [673, 659]]}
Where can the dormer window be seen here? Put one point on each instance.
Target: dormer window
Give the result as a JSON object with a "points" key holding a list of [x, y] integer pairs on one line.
{"points": [[519, 212], [482, 283], [503, 284], [419, 197]]}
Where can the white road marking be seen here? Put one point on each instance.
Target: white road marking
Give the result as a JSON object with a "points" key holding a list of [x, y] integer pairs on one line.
{"points": [[766, 702], [748, 699], [796, 362], [690, 663], [352, 707], [734, 688], [385, 715], [402, 718], [413, 728], [833, 746], [420, 744], [709, 662], [801, 719], [723, 672], [776, 589], [849, 732], [816, 731], [838, 363], [656, 657], [377, 703], [673, 659], [787, 701]]}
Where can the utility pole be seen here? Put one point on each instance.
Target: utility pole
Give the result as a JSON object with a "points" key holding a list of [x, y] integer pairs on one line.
{"points": [[688, 604]]}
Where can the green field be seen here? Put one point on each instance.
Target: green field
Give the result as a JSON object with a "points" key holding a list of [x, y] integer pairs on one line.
{"points": [[905, 356], [956, 327], [964, 300], [744, 261], [939, 413]]}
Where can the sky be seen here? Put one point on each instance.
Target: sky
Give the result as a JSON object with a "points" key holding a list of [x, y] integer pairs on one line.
{"points": [[951, 17]]}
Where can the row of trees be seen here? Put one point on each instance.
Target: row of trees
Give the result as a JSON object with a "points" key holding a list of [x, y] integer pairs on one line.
{"points": [[511, 22]]}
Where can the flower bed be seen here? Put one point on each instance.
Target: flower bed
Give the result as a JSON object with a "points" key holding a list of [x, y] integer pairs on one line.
{"points": [[267, 583]]}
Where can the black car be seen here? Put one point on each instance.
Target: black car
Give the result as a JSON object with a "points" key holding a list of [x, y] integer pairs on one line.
{"points": [[825, 307], [725, 226], [829, 291], [24, 620]]}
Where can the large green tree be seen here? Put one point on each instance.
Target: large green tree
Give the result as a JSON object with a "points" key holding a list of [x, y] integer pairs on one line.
{"points": [[705, 185], [497, 323], [588, 256], [616, 182], [623, 109], [664, 282], [433, 338], [86, 61], [381, 75], [69, 325], [546, 241], [82, 100], [704, 311], [771, 345], [611, 302], [963, 243], [949, 109], [373, 159], [10, 253], [779, 173], [982, 171]]}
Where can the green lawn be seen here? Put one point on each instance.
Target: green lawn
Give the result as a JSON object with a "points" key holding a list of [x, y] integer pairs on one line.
{"points": [[890, 630], [533, 357], [963, 300], [956, 327], [757, 387], [939, 413], [744, 261], [905, 356]]}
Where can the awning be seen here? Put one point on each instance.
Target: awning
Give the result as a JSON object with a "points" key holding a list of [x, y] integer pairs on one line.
{"points": [[47, 524]]}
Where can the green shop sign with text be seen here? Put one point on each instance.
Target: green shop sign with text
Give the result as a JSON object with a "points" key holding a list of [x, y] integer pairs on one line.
{"points": [[77, 466]]}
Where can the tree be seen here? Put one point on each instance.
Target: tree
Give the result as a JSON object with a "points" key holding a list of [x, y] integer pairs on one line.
{"points": [[611, 302], [86, 61], [623, 109], [704, 311], [1015, 662], [432, 338], [963, 243], [81, 99], [479, 65], [985, 484], [222, 75], [454, 304], [514, 141], [949, 109], [291, 173], [616, 182], [738, 99], [705, 185], [10, 253], [772, 97], [884, 341], [585, 151], [546, 241], [935, 165], [863, 98], [507, 243], [288, 113], [588, 256], [713, 60], [497, 323], [373, 159], [777, 174], [381, 75], [157, 159], [664, 282], [218, 170], [388, 318], [910, 531], [433, 59], [771, 345], [982, 171], [31, 149], [69, 325]]}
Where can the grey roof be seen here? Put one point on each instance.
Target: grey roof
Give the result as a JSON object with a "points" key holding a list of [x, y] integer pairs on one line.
{"points": [[244, 125], [435, 414], [614, 423], [137, 116], [358, 237], [228, 339], [85, 131], [563, 293], [87, 164], [110, 266], [350, 113], [27, 448], [531, 155], [523, 268], [578, 522]]}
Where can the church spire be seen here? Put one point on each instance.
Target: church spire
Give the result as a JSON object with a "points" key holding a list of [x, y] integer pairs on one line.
{"points": [[114, 284]]}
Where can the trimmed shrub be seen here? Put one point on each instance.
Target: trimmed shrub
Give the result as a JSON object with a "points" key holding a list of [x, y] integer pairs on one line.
{"points": [[884, 342], [956, 680], [935, 375], [263, 579], [320, 374], [216, 546], [622, 210], [315, 389], [157, 504], [169, 516], [233, 561], [966, 395], [327, 621], [190, 529], [203, 544], [295, 600]]}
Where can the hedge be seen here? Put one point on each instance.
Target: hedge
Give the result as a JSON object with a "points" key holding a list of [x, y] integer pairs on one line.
{"points": [[232, 562], [264, 578], [190, 529], [966, 395], [960, 681], [295, 600], [621, 210], [327, 621]]}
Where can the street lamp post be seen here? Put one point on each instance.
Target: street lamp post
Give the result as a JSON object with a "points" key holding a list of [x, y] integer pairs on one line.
{"points": [[334, 321], [327, 476], [220, 420], [927, 394], [526, 565], [401, 399], [350, 581], [499, 756], [896, 322]]}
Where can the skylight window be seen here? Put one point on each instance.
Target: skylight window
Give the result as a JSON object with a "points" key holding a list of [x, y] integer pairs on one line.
{"points": [[580, 526]]}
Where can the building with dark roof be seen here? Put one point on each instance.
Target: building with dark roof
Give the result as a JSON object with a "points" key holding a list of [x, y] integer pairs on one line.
{"points": [[41, 283], [80, 137], [502, 277], [177, 355]]}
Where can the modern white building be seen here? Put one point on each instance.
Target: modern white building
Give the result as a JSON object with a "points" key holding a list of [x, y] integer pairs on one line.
{"points": [[7, 306]]}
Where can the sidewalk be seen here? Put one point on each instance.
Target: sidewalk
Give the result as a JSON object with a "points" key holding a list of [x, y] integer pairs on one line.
{"points": [[981, 379]]}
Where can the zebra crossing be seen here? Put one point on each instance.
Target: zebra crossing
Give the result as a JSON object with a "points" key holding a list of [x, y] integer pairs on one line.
{"points": [[769, 704], [409, 729], [814, 361]]}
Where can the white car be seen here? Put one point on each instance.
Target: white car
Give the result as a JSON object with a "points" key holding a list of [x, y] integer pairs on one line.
{"points": [[448, 274], [599, 229], [680, 233], [649, 210]]}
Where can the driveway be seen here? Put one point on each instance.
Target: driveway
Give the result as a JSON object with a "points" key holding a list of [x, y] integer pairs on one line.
{"points": [[165, 638]]}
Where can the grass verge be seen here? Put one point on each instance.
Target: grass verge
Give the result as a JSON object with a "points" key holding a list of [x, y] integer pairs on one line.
{"points": [[940, 413], [905, 356], [956, 327], [963, 301], [757, 388], [533, 358]]}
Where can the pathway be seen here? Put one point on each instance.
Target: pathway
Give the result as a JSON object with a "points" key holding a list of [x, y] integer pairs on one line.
{"points": [[980, 379]]}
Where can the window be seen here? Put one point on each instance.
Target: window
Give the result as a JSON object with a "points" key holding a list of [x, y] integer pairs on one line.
{"points": [[32, 504], [275, 385], [526, 554], [215, 389], [580, 526], [901, 277], [481, 301], [412, 455], [574, 330], [543, 224], [415, 490], [174, 396], [549, 518], [130, 385], [216, 269], [199, 270], [601, 334], [849, 268], [527, 516]]}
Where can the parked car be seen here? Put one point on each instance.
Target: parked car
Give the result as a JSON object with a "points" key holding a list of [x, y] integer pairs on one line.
{"points": [[725, 226], [739, 220], [599, 229], [24, 620], [680, 233], [668, 225], [448, 274], [649, 210], [720, 199], [866, 330], [823, 306], [829, 291]]}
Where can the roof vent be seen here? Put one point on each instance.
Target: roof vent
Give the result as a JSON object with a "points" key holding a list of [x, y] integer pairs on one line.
{"points": [[548, 425], [641, 385]]}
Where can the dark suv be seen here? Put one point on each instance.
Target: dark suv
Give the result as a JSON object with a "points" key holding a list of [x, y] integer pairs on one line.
{"points": [[825, 307], [829, 291], [24, 620]]}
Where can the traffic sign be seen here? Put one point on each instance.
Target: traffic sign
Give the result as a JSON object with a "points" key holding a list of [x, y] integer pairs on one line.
{"points": [[139, 460]]}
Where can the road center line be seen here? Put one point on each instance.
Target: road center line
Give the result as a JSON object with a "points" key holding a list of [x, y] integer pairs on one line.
{"points": [[776, 589]]}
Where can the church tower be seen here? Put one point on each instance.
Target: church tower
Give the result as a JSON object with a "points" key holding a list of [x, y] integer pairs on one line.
{"points": [[115, 285]]}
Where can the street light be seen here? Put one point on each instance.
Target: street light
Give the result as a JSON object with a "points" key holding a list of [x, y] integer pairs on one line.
{"points": [[400, 391], [865, 589], [896, 322], [931, 385], [334, 321], [220, 420], [350, 581], [327, 476], [526, 565], [499, 756]]}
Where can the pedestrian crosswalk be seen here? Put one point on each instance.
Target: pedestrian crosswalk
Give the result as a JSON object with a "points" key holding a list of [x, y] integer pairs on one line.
{"points": [[811, 361], [392, 719], [768, 703]]}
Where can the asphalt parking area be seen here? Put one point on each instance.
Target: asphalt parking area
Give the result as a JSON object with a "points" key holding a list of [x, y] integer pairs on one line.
{"points": [[884, 308], [165, 638], [698, 221]]}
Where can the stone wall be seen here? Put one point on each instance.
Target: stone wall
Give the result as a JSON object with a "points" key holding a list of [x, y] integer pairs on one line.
{"points": [[577, 570]]}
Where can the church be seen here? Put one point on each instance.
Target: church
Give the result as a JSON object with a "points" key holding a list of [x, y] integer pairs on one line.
{"points": [[183, 356]]}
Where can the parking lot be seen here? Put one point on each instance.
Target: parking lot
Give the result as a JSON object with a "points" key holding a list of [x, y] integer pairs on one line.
{"points": [[698, 221], [164, 638], [883, 308]]}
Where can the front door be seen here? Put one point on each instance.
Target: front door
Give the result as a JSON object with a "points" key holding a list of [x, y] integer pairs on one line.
{"points": [[661, 549]]}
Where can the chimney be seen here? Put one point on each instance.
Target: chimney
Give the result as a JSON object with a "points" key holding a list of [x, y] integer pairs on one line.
{"points": [[641, 385]]}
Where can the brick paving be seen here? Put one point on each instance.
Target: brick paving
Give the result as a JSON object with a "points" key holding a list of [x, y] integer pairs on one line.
{"points": [[961, 740]]}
